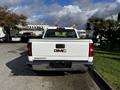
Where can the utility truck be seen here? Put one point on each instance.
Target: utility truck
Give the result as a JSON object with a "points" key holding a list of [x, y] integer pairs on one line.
{"points": [[60, 49]]}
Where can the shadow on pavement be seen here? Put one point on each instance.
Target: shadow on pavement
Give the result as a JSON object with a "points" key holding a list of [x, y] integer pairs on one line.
{"points": [[18, 67]]}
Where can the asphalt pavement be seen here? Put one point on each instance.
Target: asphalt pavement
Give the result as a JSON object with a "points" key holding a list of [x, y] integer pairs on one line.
{"points": [[15, 75]]}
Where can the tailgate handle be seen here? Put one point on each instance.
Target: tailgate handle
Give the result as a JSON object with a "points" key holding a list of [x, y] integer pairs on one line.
{"points": [[60, 45]]}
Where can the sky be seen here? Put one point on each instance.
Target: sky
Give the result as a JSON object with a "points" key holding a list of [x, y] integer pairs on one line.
{"points": [[63, 12]]}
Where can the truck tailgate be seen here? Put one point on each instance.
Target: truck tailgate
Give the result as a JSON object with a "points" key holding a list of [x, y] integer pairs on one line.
{"points": [[60, 49]]}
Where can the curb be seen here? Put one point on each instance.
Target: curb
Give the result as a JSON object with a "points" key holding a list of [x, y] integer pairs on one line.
{"points": [[104, 85]]}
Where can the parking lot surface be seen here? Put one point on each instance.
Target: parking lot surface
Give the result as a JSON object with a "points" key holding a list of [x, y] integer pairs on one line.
{"points": [[15, 75]]}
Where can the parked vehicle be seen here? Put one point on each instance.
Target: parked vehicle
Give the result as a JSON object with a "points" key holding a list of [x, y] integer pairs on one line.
{"points": [[60, 49], [2, 34], [34, 33], [27, 34]]}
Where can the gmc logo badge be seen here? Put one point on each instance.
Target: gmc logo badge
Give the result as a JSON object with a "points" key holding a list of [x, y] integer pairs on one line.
{"points": [[59, 50]]}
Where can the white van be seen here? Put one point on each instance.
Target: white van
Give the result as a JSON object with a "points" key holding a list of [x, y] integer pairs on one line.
{"points": [[2, 34]]}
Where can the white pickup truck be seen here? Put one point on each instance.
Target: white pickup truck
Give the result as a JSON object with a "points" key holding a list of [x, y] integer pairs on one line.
{"points": [[60, 49]]}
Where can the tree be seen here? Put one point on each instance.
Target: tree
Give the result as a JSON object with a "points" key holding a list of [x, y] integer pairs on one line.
{"points": [[110, 29], [8, 20], [11, 19]]}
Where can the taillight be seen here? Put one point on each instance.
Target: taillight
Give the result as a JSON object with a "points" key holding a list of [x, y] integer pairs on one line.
{"points": [[29, 46], [91, 50]]}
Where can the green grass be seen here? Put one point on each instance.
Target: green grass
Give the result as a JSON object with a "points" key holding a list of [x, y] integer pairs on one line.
{"points": [[107, 63]]}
